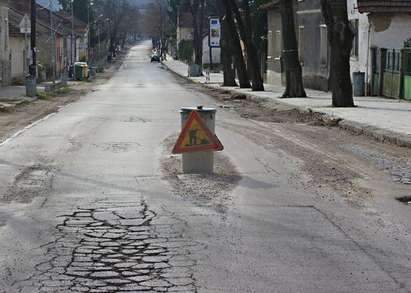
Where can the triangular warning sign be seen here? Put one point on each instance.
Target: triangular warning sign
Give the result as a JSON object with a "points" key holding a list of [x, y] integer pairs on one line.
{"points": [[196, 137]]}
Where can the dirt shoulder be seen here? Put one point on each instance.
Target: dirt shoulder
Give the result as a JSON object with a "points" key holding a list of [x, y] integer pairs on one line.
{"points": [[333, 161], [26, 113]]}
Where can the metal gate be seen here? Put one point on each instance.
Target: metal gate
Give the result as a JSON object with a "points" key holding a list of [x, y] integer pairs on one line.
{"points": [[392, 74], [406, 65], [375, 71]]}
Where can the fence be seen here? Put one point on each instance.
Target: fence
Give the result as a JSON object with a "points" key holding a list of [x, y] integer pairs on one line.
{"points": [[391, 73]]}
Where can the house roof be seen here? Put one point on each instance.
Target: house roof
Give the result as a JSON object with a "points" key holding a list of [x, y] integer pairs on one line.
{"points": [[384, 6], [62, 22]]}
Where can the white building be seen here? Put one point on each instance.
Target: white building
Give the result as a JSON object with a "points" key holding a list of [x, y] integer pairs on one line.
{"points": [[216, 53], [360, 54], [5, 57], [388, 30], [185, 30]]}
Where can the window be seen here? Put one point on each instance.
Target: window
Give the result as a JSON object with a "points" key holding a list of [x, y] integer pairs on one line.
{"points": [[393, 61], [278, 44], [355, 44], [323, 45], [301, 43], [397, 60], [270, 40], [389, 60]]}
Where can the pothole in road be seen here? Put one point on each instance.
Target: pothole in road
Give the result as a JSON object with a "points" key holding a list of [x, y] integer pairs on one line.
{"points": [[135, 119], [398, 167], [115, 247], [405, 199], [31, 182], [117, 147], [212, 190]]}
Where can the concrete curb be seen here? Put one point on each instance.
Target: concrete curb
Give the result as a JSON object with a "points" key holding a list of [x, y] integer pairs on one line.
{"points": [[376, 133]]}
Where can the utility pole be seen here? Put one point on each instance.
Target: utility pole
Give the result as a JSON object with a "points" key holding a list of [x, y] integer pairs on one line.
{"points": [[99, 42], [88, 31], [73, 45], [90, 4], [53, 42], [33, 65]]}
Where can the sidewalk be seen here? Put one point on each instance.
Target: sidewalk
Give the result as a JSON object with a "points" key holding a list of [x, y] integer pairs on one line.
{"points": [[11, 96], [383, 119]]}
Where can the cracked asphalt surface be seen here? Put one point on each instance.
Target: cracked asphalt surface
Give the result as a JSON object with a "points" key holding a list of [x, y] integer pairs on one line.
{"points": [[91, 199], [114, 247]]}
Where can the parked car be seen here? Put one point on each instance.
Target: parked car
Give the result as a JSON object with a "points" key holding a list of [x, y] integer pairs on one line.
{"points": [[155, 57]]}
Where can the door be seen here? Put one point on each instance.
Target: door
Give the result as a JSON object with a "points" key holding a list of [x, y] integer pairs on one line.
{"points": [[375, 71], [406, 63], [392, 74]]}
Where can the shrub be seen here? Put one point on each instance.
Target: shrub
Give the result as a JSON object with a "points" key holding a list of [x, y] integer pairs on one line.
{"points": [[185, 51]]}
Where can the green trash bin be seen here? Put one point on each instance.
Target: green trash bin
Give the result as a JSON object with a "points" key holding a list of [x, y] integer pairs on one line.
{"points": [[80, 70]]}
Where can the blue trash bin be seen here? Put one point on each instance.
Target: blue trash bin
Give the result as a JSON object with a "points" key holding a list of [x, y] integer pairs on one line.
{"points": [[358, 83]]}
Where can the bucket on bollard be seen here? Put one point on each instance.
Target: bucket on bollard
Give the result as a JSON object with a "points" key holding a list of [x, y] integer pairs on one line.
{"points": [[197, 141], [31, 86]]}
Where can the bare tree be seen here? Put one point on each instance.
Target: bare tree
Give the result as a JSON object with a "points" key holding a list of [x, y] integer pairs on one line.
{"points": [[226, 48], [340, 37], [235, 42], [294, 80], [244, 29], [197, 10]]}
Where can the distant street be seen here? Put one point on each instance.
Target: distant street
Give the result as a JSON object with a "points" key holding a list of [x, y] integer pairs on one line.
{"points": [[93, 200]]}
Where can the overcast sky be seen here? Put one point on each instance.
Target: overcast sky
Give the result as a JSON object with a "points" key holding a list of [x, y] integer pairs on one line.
{"points": [[55, 3]]}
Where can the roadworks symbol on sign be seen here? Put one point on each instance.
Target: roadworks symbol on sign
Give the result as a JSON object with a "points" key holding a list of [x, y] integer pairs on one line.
{"points": [[196, 137]]}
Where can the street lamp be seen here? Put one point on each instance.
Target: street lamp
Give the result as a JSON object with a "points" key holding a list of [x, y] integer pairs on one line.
{"points": [[53, 42], [73, 45], [90, 3], [96, 25]]}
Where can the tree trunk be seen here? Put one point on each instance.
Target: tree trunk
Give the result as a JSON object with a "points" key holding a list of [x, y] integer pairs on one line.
{"points": [[246, 35], [197, 10], [340, 37], [226, 49], [200, 21], [234, 40], [293, 72]]}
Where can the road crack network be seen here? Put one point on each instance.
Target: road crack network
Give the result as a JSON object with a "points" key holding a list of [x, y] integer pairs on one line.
{"points": [[115, 247]]}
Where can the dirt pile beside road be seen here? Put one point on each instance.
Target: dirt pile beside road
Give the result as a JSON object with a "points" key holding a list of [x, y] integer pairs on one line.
{"points": [[212, 190]]}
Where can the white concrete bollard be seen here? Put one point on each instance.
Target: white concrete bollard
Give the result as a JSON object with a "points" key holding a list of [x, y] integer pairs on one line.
{"points": [[203, 161]]}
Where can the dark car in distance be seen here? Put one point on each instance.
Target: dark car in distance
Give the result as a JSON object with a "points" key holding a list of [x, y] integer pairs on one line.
{"points": [[155, 57]]}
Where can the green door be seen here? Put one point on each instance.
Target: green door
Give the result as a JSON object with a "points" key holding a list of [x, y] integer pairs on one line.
{"points": [[407, 73], [375, 71], [392, 74]]}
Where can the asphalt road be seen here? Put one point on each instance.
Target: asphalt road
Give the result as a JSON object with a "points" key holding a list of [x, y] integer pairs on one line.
{"points": [[92, 201]]}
